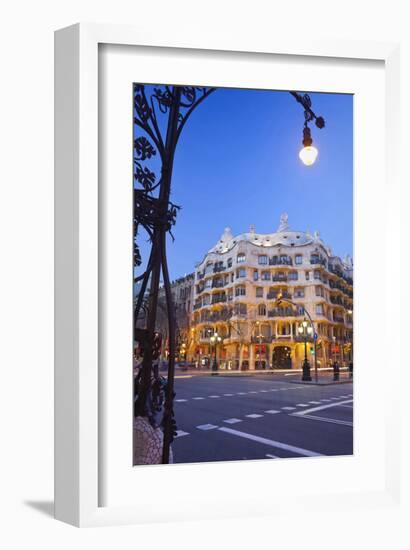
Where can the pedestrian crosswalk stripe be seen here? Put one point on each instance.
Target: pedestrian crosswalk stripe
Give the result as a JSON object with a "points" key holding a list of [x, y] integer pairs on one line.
{"points": [[198, 398], [302, 405], [232, 420], [213, 396], [254, 415], [206, 427], [181, 433], [272, 411], [180, 400], [315, 402], [270, 442], [241, 393], [228, 394], [288, 408]]}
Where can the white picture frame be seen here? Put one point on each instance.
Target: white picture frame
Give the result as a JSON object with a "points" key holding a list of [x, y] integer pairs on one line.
{"points": [[78, 409]]}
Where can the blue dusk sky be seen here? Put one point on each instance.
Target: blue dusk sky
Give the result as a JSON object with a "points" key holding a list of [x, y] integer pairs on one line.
{"points": [[237, 164]]}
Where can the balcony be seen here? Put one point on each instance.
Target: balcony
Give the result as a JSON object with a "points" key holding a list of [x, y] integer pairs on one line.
{"points": [[318, 261], [338, 319], [262, 339], [200, 275], [337, 300], [280, 278], [219, 268], [197, 306], [218, 284], [217, 298], [280, 261], [286, 312], [335, 270]]}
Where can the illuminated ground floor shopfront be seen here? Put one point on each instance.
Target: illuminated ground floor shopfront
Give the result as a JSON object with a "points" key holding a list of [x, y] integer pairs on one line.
{"points": [[282, 355]]}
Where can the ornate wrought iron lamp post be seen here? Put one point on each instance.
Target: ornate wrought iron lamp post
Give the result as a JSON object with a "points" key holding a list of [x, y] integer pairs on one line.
{"points": [[215, 339], [160, 113], [305, 330]]}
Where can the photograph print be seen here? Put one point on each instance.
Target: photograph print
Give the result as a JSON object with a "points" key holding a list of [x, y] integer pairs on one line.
{"points": [[243, 274]]}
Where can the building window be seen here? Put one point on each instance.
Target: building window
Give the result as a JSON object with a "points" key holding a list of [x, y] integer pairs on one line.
{"points": [[259, 292], [240, 291], [307, 275], [265, 275], [229, 262], [319, 309], [299, 293], [262, 309], [262, 260], [316, 274], [255, 275], [232, 277], [292, 276], [319, 291], [298, 259], [240, 309], [240, 258], [240, 272]]}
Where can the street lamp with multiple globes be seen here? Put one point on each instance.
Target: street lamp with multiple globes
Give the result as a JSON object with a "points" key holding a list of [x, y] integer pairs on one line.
{"points": [[306, 331], [160, 113], [215, 339]]}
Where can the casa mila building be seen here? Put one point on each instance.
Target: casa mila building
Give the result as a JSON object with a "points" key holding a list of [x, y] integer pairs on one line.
{"points": [[251, 294]]}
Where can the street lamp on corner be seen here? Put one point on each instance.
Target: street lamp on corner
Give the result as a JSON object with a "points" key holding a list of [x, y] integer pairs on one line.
{"points": [[215, 340], [306, 331]]}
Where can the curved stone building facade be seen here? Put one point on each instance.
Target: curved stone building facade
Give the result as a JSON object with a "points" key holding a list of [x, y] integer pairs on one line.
{"points": [[237, 286]]}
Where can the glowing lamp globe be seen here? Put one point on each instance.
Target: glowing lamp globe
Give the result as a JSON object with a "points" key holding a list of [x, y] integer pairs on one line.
{"points": [[308, 155]]}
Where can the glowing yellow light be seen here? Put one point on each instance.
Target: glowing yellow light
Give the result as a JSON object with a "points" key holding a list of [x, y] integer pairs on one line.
{"points": [[308, 155]]}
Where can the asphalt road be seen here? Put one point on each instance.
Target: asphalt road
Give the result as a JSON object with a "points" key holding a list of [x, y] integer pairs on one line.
{"points": [[260, 417]]}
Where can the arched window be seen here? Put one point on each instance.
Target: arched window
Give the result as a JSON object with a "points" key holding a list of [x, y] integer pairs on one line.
{"points": [[262, 309]]}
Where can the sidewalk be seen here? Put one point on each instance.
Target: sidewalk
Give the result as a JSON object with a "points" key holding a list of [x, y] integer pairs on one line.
{"points": [[325, 375]]}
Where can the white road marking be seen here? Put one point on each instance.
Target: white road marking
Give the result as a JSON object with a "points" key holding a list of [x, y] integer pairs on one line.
{"points": [[180, 400], [271, 411], [232, 420], [322, 419], [213, 396], [302, 405], [198, 398], [347, 406], [314, 402], [326, 400], [228, 394], [264, 391], [271, 456], [253, 415], [288, 408], [253, 392], [241, 393], [181, 433], [314, 409], [270, 442], [206, 427]]}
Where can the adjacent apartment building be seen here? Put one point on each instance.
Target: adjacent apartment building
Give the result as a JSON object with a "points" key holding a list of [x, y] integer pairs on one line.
{"points": [[237, 319]]}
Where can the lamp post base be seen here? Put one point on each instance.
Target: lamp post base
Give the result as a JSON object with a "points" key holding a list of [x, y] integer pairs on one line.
{"points": [[306, 372], [214, 368]]}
